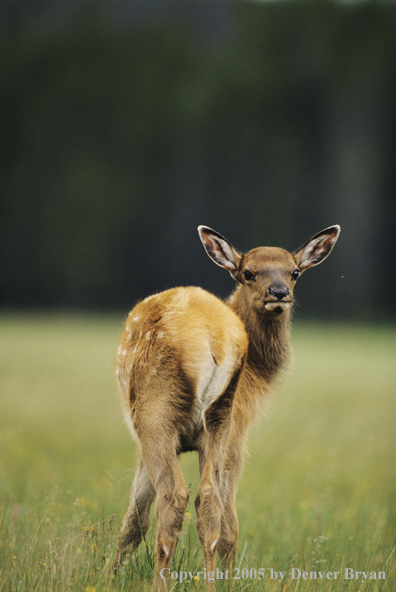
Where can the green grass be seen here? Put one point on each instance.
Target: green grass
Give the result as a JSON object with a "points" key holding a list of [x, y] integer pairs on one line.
{"points": [[317, 492]]}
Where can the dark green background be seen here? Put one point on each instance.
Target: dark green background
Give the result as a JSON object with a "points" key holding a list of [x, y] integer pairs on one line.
{"points": [[124, 125]]}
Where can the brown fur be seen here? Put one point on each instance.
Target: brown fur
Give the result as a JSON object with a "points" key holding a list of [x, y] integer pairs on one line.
{"points": [[193, 373]]}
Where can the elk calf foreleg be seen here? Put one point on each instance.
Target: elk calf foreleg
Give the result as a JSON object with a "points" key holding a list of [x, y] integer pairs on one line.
{"points": [[209, 510], [228, 542], [208, 503]]}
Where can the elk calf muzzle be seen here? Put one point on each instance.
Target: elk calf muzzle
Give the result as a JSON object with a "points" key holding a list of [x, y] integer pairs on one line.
{"points": [[279, 293]]}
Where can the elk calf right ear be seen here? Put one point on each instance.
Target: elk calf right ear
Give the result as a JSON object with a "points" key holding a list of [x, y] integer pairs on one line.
{"points": [[317, 248], [220, 250]]}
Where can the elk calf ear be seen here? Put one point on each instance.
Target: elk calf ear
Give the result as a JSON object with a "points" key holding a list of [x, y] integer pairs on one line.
{"points": [[317, 248], [220, 250]]}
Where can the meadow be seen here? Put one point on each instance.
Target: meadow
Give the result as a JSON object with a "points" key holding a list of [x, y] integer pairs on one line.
{"points": [[317, 494]]}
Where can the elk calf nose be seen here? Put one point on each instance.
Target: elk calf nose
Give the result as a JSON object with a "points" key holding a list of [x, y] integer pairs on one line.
{"points": [[279, 293]]}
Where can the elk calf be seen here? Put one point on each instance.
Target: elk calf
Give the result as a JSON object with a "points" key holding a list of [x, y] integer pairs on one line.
{"points": [[193, 372]]}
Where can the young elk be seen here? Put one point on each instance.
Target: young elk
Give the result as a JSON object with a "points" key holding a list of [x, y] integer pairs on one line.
{"points": [[193, 372]]}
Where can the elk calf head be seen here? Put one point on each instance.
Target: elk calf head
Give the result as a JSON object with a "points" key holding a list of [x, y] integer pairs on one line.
{"points": [[268, 274]]}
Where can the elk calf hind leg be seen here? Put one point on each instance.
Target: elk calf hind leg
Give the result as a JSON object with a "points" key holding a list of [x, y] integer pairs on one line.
{"points": [[228, 542], [209, 504], [209, 510], [137, 518], [172, 498]]}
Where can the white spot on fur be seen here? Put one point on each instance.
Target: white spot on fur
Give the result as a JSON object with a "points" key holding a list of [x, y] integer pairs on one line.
{"points": [[121, 352], [136, 319], [122, 377], [166, 550], [160, 334], [159, 357], [213, 545], [134, 350], [148, 335]]}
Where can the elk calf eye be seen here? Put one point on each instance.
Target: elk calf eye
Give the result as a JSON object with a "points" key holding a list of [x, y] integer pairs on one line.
{"points": [[295, 274], [248, 275]]}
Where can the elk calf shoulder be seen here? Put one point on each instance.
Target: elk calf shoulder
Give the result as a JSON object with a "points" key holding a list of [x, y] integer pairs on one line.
{"points": [[193, 372]]}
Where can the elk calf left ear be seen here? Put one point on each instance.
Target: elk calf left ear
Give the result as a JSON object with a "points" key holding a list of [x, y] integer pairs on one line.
{"points": [[220, 250], [317, 248]]}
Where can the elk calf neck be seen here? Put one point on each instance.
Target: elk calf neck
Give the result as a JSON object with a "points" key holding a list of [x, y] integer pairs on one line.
{"points": [[193, 372]]}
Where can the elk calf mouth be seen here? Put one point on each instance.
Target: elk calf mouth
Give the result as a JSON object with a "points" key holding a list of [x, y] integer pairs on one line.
{"points": [[277, 306]]}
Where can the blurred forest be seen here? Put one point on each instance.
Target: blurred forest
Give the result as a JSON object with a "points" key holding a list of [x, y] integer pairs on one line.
{"points": [[125, 125]]}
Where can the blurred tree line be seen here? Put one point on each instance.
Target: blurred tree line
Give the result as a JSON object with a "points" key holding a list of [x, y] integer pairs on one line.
{"points": [[123, 128]]}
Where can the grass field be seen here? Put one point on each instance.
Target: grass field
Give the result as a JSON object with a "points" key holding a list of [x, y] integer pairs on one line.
{"points": [[317, 493]]}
